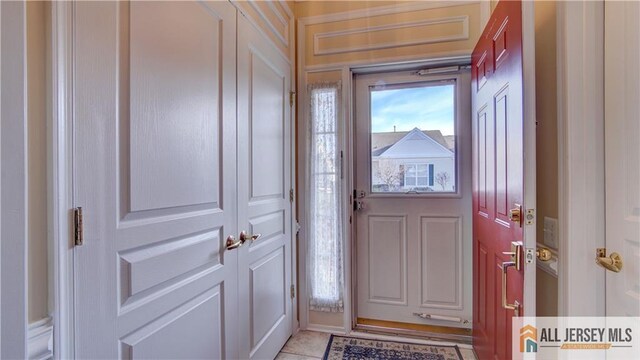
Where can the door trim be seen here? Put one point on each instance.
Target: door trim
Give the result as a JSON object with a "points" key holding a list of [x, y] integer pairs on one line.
{"points": [[529, 149], [61, 178]]}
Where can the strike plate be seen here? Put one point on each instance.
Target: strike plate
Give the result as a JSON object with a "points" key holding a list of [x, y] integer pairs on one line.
{"points": [[529, 255], [530, 217]]}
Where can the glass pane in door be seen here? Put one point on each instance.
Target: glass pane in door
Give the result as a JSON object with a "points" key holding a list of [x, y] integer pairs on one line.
{"points": [[413, 136]]}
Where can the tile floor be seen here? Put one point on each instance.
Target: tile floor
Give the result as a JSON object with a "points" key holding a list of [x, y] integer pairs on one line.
{"points": [[311, 345]]}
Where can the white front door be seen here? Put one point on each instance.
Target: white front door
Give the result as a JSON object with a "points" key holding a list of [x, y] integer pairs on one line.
{"points": [[264, 206], [413, 180], [622, 155]]}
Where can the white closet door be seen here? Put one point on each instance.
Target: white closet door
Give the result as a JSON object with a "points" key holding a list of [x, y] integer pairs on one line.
{"points": [[155, 173], [264, 174]]}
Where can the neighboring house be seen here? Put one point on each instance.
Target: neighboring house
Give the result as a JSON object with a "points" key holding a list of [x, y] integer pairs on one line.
{"points": [[412, 161]]}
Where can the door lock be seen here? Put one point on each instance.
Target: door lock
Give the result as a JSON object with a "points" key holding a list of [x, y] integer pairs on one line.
{"points": [[515, 214], [357, 204]]}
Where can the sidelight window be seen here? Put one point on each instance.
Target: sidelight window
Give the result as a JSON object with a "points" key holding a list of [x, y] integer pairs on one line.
{"points": [[325, 238]]}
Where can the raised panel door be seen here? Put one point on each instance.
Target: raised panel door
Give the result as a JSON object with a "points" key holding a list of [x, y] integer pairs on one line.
{"points": [[154, 127], [264, 207], [498, 157]]}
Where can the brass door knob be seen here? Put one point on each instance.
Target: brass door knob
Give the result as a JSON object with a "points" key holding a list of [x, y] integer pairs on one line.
{"points": [[232, 243], [244, 237], [543, 254], [612, 262]]}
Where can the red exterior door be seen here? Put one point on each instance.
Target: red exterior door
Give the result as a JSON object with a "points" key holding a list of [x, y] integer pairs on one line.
{"points": [[497, 101]]}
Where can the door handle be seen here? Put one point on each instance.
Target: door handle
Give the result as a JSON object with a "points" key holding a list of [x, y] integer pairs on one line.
{"points": [[612, 262], [244, 237], [515, 254], [505, 304], [232, 243]]}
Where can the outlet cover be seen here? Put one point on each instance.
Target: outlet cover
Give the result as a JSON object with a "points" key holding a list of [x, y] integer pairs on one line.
{"points": [[551, 232]]}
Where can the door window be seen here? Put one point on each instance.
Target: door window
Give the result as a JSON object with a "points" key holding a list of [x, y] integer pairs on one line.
{"points": [[413, 147]]}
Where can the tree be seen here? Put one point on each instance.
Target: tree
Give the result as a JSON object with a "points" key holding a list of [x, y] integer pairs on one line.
{"points": [[443, 178], [388, 172]]}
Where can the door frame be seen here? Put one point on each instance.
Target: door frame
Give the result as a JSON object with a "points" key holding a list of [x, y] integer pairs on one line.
{"points": [[61, 179], [529, 153]]}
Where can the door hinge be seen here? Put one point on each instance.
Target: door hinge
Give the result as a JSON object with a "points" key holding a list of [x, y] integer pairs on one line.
{"points": [[293, 291], [292, 98], [291, 195], [78, 236]]}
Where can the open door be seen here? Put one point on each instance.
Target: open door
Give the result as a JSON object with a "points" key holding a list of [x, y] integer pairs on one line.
{"points": [[622, 158], [503, 200]]}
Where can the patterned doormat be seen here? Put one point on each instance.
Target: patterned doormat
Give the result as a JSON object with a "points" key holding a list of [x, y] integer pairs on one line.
{"points": [[343, 347]]}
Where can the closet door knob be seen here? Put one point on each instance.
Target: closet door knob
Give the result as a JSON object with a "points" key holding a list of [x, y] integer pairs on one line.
{"points": [[232, 243], [245, 237]]}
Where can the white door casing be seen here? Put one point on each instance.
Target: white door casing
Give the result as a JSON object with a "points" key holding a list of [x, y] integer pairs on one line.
{"points": [[264, 207], [418, 248], [155, 173], [622, 154]]}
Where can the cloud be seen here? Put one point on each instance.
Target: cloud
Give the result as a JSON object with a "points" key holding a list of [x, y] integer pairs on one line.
{"points": [[427, 108]]}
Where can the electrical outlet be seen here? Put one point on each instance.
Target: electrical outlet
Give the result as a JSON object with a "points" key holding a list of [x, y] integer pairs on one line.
{"points": [[551, 232]]}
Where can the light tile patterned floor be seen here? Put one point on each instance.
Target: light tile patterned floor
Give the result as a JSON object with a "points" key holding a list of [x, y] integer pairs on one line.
{"points": [[311, 345]]}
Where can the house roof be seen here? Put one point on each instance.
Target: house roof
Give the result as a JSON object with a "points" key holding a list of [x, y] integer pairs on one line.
{"points": [[414, 144], [386, 139]]}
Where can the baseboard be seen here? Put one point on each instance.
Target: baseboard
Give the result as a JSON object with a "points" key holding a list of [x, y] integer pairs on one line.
{"points": [[40, 339], [326, 329]]}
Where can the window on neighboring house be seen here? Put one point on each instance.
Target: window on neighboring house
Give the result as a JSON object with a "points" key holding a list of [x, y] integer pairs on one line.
{"points": [[324, 217], [418, 175], [415, 175]]}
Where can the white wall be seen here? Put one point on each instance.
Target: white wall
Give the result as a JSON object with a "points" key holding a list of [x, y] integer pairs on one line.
{"points": [[13, 190], [37, 160]]}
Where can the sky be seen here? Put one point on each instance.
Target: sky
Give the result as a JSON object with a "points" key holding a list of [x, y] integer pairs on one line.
{"points": [[427, 108]]}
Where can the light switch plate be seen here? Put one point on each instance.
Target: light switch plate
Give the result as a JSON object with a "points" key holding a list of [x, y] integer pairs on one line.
{"points": [[551, 232]]}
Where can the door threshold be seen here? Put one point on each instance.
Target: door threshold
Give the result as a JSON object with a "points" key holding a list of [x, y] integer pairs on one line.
{"points": [[418, 331]]}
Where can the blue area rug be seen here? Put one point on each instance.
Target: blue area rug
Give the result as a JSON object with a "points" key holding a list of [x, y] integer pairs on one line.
{"points": [[349, 348]]}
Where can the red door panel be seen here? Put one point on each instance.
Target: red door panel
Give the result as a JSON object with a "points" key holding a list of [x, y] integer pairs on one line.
{"points": [[497, 100]]}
